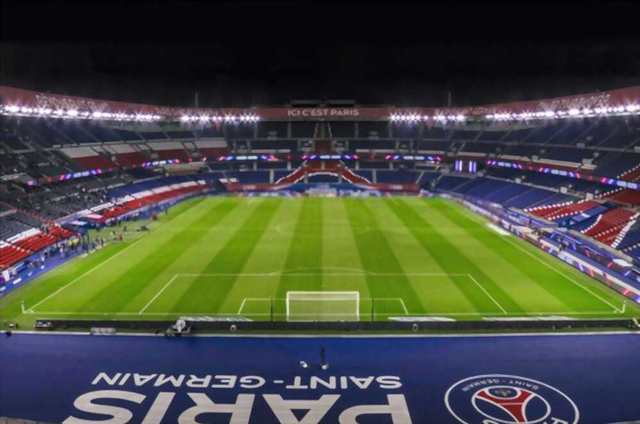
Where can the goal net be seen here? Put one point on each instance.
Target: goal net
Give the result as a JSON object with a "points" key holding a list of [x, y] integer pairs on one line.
{"points": [[323, 306]]}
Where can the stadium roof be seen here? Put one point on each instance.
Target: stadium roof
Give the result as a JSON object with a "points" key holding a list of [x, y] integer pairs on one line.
{"points": [[15, 101]]}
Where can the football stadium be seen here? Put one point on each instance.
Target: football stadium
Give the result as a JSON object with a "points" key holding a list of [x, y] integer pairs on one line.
{"points": [[317, 226], [444, 233]]}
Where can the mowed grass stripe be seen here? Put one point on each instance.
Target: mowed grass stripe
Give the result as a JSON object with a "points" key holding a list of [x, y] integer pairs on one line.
{"points": [[305, 252], [207, 294], [89, 284], [60, 277], [192, 259], [376, 255], [142, 273], [524, 290], [452, 261], [340, 254], [438, 293], [552, 282], [269, 256]]}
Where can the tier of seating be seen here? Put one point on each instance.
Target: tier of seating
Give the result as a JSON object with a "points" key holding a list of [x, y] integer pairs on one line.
{"points": [[562, 210], [10, 254], [605, 222], [626, 196], [23, 234], [609, 224], [507, 193], [131, 203], [628, 238], [565, 144]]}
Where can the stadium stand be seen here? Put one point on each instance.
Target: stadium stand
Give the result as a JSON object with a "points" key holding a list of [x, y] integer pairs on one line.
{"points": [[48, 151]]}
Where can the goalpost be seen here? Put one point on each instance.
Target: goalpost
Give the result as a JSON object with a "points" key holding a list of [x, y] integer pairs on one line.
{"points": [[323, 306]]}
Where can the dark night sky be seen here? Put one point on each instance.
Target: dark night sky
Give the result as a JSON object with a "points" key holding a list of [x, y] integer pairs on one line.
{"points": [[242, 53]]}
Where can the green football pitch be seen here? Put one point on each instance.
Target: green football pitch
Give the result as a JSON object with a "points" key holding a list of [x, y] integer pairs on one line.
{"points": [[315, 259]]}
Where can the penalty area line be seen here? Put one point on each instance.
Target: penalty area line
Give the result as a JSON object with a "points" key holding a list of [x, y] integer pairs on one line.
{"points": [[487, 293], [251, 299], [158, 294], [396, 299]]}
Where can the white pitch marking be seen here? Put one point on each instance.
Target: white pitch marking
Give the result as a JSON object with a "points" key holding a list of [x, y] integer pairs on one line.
{"points": [[562, 274], [487, 293], [265, 314], [406, 311], [242, 306], [137, 314], [398, 299], [82, 276], [251, 299], [516, 314], [310, 274], [158, 294]]}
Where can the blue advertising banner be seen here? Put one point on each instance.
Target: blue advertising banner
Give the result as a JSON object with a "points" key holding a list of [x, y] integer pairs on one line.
{"points": [[347, 380]]}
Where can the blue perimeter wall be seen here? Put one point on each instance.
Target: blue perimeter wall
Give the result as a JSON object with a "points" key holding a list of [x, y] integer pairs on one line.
{"points": [[42, 375]]}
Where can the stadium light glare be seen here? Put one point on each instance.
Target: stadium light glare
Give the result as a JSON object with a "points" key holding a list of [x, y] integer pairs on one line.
{"points": [[13, 109]]}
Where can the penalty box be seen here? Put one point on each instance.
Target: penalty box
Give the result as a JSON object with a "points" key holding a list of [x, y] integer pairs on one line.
{"points": [[267, 306]]}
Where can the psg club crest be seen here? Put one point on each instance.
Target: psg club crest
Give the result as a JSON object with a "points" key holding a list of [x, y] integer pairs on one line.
{"points": [[508, 399]]}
